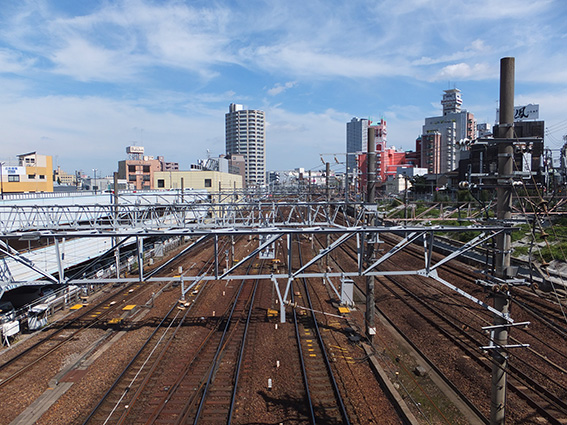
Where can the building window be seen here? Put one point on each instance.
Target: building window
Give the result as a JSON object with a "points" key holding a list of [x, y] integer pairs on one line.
{"points": [[13, 178], [31, 176], [146, 168], [131, 168], [208, 183], [132, 177], [41, 177], [161, 183]]}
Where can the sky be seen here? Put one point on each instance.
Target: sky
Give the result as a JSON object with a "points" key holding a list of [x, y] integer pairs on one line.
{"points": [[82, 80]]}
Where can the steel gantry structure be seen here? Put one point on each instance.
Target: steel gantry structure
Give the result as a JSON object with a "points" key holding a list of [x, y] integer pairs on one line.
{"points": [[201, 220]]}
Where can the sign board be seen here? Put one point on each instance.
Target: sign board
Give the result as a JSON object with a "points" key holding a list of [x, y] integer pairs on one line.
{"points": [[135, 149], [13, 170], [521, 113], [527, 112]]}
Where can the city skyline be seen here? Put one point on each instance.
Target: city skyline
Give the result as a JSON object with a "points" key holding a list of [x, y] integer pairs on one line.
{"points": [[82, 80]]}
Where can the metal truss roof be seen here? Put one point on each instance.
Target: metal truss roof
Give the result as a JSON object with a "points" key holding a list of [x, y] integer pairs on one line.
{"points": [[200, 215]]}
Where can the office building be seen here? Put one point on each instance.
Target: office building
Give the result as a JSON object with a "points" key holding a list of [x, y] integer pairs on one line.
{"points": [[245, 135], [444, 137], [63, 178], [356, 141], [139, 169], [212, 181], [30, 173]]}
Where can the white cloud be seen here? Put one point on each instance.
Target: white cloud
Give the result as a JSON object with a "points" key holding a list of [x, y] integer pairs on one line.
{"points": [[280, 88], [302, 59], [464, 71], [86, 62], [297, 140], [12, 61], [475, 48]]}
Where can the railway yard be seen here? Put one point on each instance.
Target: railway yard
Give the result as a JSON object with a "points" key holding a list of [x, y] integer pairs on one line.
{"points": [[145, 352]]}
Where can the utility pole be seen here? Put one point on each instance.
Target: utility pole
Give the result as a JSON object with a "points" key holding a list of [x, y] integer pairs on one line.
{"points": [[503, 241], [370, 199], [116, 226], [2, 180], [327, 178]]}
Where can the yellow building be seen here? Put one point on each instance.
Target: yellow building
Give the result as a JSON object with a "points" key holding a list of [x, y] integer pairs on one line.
{"points": [[212, 181], [62, 177], [32, 174]]}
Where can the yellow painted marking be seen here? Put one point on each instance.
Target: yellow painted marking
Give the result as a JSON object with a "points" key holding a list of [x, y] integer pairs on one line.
{"points": [[309, 340], [344, 310], [106, 307], [93, 315], [76, 307], [310, 349], [312, 355], [339, 348], [129, 307]]}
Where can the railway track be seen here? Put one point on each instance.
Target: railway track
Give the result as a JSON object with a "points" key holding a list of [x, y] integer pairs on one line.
{"points": [[432, 310], [201, 384], [324, 399], [99, 315], [63, 332]]}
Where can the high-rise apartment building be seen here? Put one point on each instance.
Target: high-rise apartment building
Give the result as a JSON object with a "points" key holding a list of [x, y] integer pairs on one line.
{"points": [[245, 135], [356, 141], [444, 137]]}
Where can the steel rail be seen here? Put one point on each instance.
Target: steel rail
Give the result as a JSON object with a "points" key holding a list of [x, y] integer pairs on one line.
{"points": [[126, 369], [222, 344], [336, 390], [141, 350], [312, 418], [241, 356], [445, 379], [95, 321], [472, 352]]}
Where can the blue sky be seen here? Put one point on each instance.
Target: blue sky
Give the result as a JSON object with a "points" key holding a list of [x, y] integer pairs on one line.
{"points": [[81, 80]]}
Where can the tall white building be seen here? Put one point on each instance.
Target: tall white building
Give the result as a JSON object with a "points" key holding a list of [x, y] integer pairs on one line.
{"points": [[245, 135], [444, 137]]}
